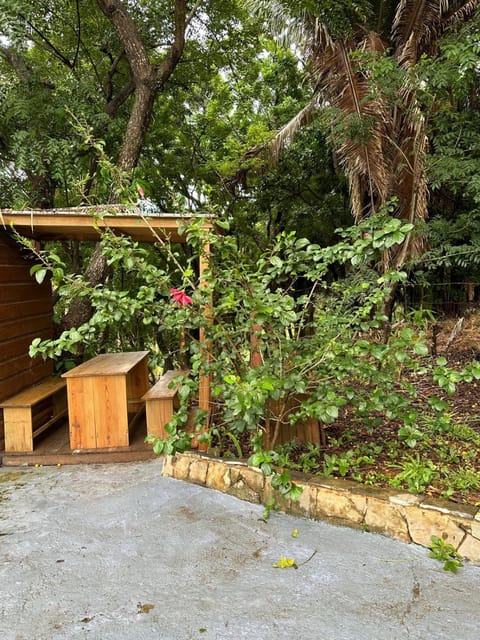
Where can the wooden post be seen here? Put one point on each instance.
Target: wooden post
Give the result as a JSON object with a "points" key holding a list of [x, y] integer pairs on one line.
{"points": [[204, 381], [256, 358]]}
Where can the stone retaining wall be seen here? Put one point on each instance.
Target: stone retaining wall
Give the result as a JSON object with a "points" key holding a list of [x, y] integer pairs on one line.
{"points": [[407, 517]]}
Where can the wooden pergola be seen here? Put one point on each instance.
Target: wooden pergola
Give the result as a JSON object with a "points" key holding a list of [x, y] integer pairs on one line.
{"points": [[88, 223]]}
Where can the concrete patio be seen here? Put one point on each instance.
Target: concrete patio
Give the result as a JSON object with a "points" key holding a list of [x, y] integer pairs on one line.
{"points": [[118, 552]]}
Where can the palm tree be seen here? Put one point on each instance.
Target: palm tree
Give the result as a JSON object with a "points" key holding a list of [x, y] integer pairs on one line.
{"points": [[378, 135]]}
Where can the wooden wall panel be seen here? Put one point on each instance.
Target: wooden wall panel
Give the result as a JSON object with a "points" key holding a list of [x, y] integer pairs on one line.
{"points": [[13, 292], [25, 313], [26, 326], [23, 308]]}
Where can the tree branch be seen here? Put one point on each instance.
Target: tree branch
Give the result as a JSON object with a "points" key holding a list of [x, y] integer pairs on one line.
{"points": [[116, 102], [20, 67], [79, 27], [56, 52], [192, 13], [166, 67], [148, 79], [135, 50]]}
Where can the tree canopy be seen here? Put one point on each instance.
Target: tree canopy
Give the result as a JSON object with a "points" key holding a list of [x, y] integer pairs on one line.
{"points": [[182, 98]]}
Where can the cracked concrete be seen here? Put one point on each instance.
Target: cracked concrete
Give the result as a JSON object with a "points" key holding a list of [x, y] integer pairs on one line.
{"points": [[118, 552]]}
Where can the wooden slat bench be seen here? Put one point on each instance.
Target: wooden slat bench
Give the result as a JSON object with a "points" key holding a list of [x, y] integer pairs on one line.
{"points": [[161, 401], [30, 412]]}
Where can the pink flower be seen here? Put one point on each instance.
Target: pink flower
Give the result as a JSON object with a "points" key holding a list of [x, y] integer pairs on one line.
{"points": [[180, 297]]}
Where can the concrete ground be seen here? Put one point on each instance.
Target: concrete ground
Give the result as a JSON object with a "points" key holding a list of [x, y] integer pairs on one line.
{"points": [[119, 553]]}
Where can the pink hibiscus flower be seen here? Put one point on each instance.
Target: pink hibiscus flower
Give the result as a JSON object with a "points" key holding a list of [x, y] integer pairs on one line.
{"points": [[180, 297]]}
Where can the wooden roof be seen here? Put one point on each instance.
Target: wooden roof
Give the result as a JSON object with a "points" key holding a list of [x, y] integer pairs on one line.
{"points": [[87, 223]]}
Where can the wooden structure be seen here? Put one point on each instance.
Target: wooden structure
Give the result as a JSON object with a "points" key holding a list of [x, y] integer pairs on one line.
{"points": [[160, 403], [102, 392], [25, 313], [88, 223], [26, 307], [31, 412]]}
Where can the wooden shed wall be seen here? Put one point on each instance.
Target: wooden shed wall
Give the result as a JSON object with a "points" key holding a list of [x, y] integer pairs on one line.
{"points": [[25, 313]]}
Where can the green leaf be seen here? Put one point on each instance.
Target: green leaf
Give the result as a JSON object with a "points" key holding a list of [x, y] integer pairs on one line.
{"points": [[266, 468], [267, 384], [394, 238], [276, 262], [40, 275], [332, 411], [256, 459], [420, 349], [222, 223], [159, 446]]}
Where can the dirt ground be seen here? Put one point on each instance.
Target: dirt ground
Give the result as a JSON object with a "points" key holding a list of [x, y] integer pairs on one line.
{"points": [[458, 340]]}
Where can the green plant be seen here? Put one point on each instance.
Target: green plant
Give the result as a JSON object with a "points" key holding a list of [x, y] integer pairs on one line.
{"points": [[177, 441], [446, 553], [416, 474], [281, 480], [309, 460], [463, 479], [270, 505], [337, 463], [222, 439], [320, 348], [410, 435]]}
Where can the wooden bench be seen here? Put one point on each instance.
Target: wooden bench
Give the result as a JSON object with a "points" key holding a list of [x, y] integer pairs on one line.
{"points": [[30, 412], [161, 401]]}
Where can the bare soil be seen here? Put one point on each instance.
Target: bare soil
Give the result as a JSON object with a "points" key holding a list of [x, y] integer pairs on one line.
{"points": [[458, 340], [452, 454]]}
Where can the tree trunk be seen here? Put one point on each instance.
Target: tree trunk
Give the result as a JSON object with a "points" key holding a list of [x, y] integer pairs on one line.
{"points": [[138, 123], [81, 309], [148, 80]]}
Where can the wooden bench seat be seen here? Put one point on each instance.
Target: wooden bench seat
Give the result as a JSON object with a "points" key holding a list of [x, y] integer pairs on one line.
{"points": [[161, 401], [30, 412]]}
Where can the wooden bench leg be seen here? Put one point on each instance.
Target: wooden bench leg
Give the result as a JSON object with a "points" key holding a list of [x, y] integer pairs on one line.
{"points": [[159, 411], [18, 429]]}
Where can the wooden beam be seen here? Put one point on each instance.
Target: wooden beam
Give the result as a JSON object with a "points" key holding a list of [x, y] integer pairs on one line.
{"points": [[87, 223]]}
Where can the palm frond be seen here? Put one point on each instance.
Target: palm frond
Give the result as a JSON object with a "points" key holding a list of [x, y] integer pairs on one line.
{"points": [[286, 25], [413, 20], [458, 14], [272, 149], [358, 127], [409, 182], [356, 188], [381, 144], [417, 25], [286, 134], [463, 12]]}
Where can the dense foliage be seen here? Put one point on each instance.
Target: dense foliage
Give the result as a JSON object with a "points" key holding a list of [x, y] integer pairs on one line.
{"points": [[287, 341], [288, 127]]}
